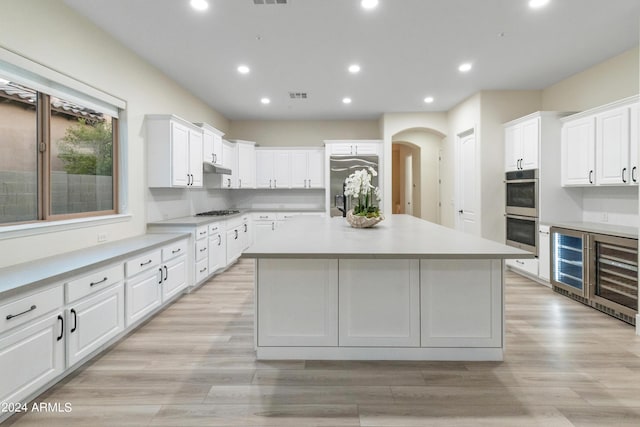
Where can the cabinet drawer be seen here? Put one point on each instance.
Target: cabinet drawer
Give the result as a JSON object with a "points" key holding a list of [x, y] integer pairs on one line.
{"points": [[29, 307], [175, 249], [202, 249], [264, 216], [215, 228], [202, 232], [527, 265], [93, 282], [141, 263], [202, 270], [288, 215]]}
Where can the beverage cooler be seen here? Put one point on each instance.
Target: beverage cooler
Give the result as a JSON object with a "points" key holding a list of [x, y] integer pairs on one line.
{"points": [[598, 270]]}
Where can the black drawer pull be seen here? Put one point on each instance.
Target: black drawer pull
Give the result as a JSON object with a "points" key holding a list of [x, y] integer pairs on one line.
{"points": [[75, 321], [145, 263], [176, 251], [98, 282], [203, 270], [11, 316], [61, 319]]}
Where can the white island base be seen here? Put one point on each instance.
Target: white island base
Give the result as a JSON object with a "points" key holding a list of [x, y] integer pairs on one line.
{"points": [[379, 309]]}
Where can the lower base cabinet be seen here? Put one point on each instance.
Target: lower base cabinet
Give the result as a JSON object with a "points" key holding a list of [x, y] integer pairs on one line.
{"points": [[30, 357], [175, 278], [144, 295], [93, 321]]}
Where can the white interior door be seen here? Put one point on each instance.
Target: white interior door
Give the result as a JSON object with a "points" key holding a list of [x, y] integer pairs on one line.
{"points": [[408, 184], [468, 200]]}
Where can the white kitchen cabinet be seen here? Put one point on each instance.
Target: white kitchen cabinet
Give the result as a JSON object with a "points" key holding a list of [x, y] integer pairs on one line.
{"points": [[634, 142], [229, 155], [578, 152], [612, 147], [174, 152], [246, 164], [31, 356], [273, 168], [379, 303], [264, 224], [174, 279], [217, 247], [234, 246], [93, 321], [307, 168], [354, 147], [298, 302], [246, 232], [211, 144], [447, 318], [142, 290], [522, 142], [544, 253], [529, 266]]}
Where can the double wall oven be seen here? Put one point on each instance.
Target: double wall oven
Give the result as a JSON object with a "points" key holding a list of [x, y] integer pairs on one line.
{"points": [[521, 210]]}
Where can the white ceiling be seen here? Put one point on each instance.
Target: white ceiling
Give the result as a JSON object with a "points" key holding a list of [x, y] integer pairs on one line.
{"points": [[408, 49]]}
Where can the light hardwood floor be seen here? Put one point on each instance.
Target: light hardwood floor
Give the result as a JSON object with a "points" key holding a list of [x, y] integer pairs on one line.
{"points": [[193, 365]]}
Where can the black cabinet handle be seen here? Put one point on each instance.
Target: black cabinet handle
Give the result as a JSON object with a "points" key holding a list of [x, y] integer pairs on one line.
{"points": [[236, 236], [203, 270], [623, 178], [219, 240], [633, 174], [161, 279], [245, 228], [75, 320], [460, 211], [11, 316], [176, 251], [98, 282], [166, 273], [61, 319], [146, 263], [591, 177]]}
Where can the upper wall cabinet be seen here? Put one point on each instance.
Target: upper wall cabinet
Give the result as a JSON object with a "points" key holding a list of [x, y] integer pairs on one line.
{"points": [[522, 142], [307, 168], [354, 147], [599, 146], [244, 168], [211, 144], [273, 168], [174, 152]]}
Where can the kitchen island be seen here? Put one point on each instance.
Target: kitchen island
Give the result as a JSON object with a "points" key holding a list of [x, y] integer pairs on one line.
{"points": [[407, 289]]}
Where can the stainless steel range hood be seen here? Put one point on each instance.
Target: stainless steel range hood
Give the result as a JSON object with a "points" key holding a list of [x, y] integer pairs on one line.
{"points": [[214, 168]]}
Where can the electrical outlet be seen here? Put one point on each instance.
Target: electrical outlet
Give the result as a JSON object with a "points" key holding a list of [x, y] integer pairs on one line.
{"points": [[102, 237]]}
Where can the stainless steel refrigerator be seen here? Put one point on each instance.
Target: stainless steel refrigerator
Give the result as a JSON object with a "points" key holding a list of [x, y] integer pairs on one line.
{"points": [[340, 167]]}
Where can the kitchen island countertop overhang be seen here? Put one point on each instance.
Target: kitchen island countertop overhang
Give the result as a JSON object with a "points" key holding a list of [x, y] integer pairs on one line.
{"points": [[405, 290]]}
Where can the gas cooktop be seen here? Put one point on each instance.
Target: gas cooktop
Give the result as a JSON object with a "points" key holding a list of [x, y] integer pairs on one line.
{"points": [[219, 213]]}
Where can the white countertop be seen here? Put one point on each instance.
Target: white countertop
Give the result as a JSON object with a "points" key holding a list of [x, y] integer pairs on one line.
{"points": [[595, 227], [398, 236], [202, 220], [20, 277]]}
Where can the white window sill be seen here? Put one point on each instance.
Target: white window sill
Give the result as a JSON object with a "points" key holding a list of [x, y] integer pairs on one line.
{"points": [[33, 229]]}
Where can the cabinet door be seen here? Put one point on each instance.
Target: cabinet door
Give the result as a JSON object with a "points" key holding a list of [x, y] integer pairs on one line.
{"points": [[179, 155], [634, 141], [229, 161], [281, 169], [195, 158], [512, 147], [30, 357], [264, 169], [93, 321], [365, 148], [297, 302], [315, 169], [530, 144], [461, 303], [612, 147], [207, 146], [217, 252], [233, 245], [578, 152], [246, 166], [263, 228], [544, 254], [246, 236], [299, 169], [342, 148], [175, 277], [379, 303], [143, 295], [218, 157]]}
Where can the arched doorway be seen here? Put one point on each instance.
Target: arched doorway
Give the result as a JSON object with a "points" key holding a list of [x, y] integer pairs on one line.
{"points": [[415, 172]]}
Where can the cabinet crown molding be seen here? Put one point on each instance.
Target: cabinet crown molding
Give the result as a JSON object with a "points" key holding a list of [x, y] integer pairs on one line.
{"points": [[615, 104]]}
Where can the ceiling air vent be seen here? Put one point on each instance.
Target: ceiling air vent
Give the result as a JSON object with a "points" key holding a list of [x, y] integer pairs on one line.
{"points": [[270, 1], [298, 95]]}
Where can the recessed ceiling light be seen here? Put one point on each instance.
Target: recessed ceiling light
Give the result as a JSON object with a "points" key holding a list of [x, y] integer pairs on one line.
{"points": [[535, 4], [265, 101], [369, 4], [243, 69], [465, 67], [428, 99], [346, 100], [200, 5], [354, 69]]}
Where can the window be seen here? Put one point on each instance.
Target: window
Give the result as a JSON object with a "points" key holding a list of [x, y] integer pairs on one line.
{"points": [[58, 156]]}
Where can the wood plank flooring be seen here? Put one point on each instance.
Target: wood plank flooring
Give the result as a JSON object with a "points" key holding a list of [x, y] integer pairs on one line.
{"points": [[193, 365]]}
